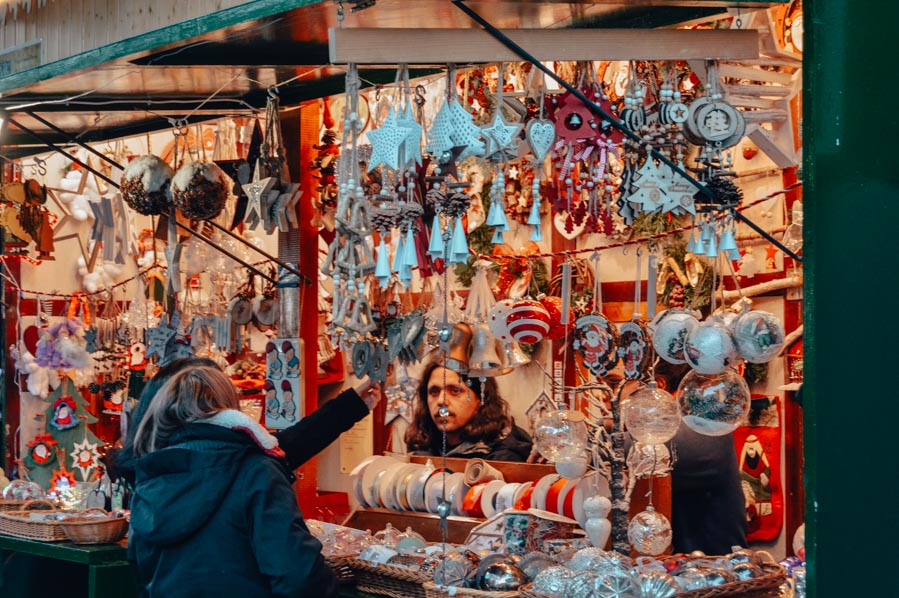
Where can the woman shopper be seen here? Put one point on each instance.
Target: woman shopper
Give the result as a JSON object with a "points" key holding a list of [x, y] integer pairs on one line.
{"points": [[213, 512]]}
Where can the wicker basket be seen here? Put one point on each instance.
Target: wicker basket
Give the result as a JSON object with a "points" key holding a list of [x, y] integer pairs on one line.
{"points": [[342, 570], [95, 530], [11, 505], [28, 525], [766, 586], [432, 590], [388, 580]]}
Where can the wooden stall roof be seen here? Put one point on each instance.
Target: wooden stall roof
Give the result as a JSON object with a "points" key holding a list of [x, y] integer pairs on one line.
{"points": [[137, 84]]}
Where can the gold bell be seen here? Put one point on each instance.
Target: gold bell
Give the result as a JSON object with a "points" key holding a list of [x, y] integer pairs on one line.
{"points": [[457, 360], [485, 360], [515, 357]]}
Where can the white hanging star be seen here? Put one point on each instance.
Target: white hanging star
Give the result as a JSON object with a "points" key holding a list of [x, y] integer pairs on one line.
{"points": [[386, 142], [256, 191], [464, 131], [502, 139], [440, 138], [85, 457], [410, 149]]}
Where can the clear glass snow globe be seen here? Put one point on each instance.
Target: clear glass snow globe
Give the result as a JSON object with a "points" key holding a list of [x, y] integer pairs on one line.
{"points": [[714, 404], [561, 435], [651, 415]]}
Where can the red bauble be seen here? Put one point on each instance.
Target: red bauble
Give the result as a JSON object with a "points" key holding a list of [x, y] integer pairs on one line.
{"points": [[528, 321], [557, 330]]}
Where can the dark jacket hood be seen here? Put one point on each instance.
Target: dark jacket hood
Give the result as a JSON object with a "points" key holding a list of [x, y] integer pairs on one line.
{"points": [[200, 455]]}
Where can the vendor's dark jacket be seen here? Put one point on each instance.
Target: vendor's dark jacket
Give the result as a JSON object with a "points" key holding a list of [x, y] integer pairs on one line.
{"points": [[215, 515], [513, 445]]}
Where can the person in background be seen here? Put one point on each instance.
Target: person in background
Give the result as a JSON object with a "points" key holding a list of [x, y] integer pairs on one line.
{"points": [[708, 509], [214, 512], [473, 414], [300, 442]]}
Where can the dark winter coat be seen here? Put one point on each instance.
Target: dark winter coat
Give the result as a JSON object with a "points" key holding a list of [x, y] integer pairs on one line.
{"points": [[708, 509], [300, 442], [214, 515], [513, 445]]}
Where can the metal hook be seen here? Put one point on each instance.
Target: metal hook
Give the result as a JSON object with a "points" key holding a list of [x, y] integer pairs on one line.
{"points": [[40, 165], [273, 92], [420, 93]]}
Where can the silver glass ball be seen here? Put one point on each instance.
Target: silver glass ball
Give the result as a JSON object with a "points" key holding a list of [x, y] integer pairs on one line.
{"points": [[717, 577], [502, 577], [746, 571]]}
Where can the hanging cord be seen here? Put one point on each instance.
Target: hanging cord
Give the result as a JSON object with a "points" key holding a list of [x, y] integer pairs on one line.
{"points": [[597, 285], [638, 313]]}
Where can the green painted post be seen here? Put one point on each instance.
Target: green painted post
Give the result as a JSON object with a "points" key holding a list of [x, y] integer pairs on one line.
{"points": [[851, 201]]}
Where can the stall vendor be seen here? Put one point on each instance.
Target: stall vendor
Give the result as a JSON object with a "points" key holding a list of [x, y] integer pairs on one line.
{"points": [[472, 413]]}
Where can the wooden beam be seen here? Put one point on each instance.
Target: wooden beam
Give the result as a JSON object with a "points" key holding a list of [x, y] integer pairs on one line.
{"points": [[782, 156], [442, 46], [754, 74]]}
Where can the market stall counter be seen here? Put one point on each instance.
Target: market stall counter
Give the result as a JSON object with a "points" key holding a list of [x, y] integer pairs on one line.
{"points": [[32, 568]]}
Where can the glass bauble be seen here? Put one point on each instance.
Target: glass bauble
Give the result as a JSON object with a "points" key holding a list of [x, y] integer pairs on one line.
{"points": [[553, 581], [758, 335], [23, 490], [561, 435], [651, 415], [713, 405], [644, 460], [669, 330], [709, 348], [649, 532]]}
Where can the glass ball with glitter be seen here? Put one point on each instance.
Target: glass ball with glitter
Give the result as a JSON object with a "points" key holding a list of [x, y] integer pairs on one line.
{"points": [[649, 532], [759, 336], [709, 347], [713, 405], [651, 415], [561, 435]]}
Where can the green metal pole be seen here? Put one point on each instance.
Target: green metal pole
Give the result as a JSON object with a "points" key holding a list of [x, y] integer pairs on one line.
{"points": [[851, 213]]}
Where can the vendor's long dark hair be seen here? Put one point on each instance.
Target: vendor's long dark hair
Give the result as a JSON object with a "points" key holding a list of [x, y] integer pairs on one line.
{"points": [[489, 422]]}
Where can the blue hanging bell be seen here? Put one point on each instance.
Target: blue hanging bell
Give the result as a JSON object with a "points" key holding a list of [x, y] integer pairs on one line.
{"points": [[382, 265], [459, 249], [711, 248], [410, 258], [727, 241], [398, 256], [492, 217], [536, 233], [734, 255], [694, 246], [436, 245], [534, 215]]}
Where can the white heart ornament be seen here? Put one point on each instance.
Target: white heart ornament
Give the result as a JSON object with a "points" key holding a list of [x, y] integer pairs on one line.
{"points": [[541, 134], [559, 222]]}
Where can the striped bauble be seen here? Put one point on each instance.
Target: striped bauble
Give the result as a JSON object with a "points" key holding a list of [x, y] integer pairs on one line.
{"points": [[528, 321]]}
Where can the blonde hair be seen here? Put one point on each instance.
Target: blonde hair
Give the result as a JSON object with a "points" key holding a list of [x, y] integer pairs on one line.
{"points": [[190, 395]]}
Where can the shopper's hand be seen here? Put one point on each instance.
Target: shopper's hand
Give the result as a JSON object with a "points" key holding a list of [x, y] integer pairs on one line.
{"points": [[370, 392]]}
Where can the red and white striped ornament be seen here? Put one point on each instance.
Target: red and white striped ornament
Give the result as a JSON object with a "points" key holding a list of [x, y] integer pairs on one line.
{"points": [[528, 321]]}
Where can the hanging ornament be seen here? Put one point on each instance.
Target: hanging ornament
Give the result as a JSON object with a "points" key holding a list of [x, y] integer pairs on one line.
{"points": [[557, 329], [594, 337], [632, 335], [64, 411], [714, 405], [62, 478], [669, 331], [200, 190], [597, 525], [528, 321], [649, 532], [387, 142], [42, 449], [759, 336], [709, 347], [86, 458], [651, 415], [146, 184], [561, 435]]}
